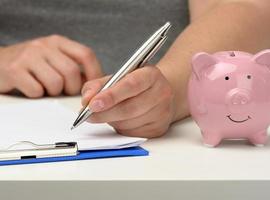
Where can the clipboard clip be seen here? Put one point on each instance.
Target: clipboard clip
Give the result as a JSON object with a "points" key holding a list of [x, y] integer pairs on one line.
{"points": [[38, 151]]}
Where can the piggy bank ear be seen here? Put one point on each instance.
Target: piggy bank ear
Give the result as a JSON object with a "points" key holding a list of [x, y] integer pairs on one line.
{"points": [[262, 58], [200, 62]]}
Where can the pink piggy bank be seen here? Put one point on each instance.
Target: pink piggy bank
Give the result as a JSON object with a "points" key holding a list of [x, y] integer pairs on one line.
{"points": [[229, 96]]}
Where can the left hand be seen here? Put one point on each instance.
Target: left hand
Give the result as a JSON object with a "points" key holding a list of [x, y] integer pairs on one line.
{"points": [[139, 105]]}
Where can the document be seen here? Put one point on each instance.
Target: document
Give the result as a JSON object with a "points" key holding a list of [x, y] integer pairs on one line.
{"points": [[49, 122]]}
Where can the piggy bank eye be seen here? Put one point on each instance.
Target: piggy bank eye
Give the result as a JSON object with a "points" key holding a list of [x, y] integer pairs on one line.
{"points": [[227, 78], [249, 76]]}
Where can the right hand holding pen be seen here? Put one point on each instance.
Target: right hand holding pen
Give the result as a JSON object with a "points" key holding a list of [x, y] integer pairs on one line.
{"points": [[141, 104], [50, 64]]}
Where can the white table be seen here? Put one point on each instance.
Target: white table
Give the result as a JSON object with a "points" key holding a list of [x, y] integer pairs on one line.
{"points": [[178, 156]]}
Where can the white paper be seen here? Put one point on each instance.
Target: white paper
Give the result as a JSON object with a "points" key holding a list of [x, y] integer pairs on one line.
{"points": [[48, 122]]}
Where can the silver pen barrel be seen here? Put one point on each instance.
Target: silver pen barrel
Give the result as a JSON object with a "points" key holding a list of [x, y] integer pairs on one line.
{"points": [[139, 55], [138, 59]]}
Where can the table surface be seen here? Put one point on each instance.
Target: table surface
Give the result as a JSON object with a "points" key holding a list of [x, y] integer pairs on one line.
{"points": [[179, 155]]}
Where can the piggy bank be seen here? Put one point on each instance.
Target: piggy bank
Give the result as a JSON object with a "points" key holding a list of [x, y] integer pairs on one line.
{"points": [[229, 96]]}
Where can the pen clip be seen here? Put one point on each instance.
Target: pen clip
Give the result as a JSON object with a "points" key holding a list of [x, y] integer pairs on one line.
{"points": [[153, 51]]}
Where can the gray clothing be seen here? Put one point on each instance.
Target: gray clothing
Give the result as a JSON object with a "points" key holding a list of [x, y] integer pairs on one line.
{"points": [[112, 28]]}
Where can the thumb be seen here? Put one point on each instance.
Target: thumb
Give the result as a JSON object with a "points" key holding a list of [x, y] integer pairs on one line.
{"points": [[91, 88]]}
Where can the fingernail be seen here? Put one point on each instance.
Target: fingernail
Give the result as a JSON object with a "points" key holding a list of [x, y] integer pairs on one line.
{"points": [[97, 105]]}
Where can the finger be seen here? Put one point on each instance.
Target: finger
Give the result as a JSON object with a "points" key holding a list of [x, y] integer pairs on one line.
{"points": [[91, 88], [130, 86], [48, 77], [94, 84], [153, 115], [151, 130], [28, 85], [82, 55], [69, 70], [128, 109]]}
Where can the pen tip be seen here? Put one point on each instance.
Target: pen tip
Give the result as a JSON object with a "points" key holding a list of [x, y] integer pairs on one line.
{"points": [[72, 127]]}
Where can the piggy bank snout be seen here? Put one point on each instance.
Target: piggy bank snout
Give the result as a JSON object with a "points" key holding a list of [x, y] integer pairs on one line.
{"points": [[238, 97]]}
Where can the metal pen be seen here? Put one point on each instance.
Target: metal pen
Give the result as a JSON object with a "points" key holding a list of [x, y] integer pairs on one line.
{"points": [[138, 59]]}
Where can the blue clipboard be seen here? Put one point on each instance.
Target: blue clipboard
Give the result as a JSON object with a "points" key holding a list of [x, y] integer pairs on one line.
{"points": [[83, 155]]}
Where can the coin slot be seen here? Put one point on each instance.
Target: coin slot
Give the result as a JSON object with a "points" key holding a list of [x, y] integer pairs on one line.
{"points": [[232, 54]]}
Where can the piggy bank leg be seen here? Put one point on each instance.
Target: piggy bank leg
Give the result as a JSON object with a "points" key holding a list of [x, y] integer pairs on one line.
{"points": [[259, 139], [210, 139]]}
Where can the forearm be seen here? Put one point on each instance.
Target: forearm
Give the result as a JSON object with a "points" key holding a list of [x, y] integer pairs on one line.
{"points": [[238, 25]]}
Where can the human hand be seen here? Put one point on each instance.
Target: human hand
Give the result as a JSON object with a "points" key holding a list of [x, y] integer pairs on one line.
{"points": [[141, 104], [48, 64]]}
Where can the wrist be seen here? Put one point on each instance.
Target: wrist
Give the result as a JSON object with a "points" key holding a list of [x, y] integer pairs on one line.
{"points": [[178, 83]]}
